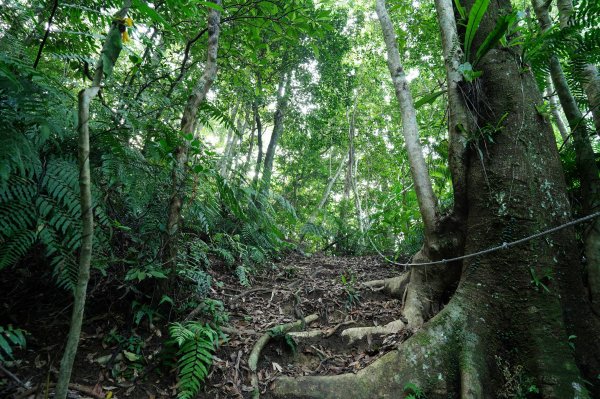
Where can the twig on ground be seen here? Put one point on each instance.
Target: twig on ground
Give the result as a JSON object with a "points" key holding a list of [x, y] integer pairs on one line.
{"points": [[11, 376]]}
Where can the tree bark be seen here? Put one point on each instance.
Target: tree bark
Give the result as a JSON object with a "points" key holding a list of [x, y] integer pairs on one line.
{"points": [[113, 38], [233, 159], [591, 84], [246, 166], [460, 119], [259, 143], [428, 284], [560, 125], [584, 159], [283, 95], [410, 128], [225, 158], [46, 34], [188, 124]]}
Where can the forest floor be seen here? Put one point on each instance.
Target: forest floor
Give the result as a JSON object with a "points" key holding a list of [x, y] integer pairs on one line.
{"points": [[117, 356]]}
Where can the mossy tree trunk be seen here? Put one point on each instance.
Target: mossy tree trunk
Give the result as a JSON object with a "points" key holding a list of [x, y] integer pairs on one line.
{"points": [[514, 310]]}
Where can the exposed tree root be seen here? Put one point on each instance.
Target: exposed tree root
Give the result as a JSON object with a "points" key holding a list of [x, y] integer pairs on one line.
{"points": [[394, 286], [422, 290], [421, 360], [263, 340], [360, 333]]}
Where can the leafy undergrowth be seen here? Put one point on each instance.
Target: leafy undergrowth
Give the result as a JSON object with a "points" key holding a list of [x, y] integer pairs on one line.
{"points": [[129, 360]]}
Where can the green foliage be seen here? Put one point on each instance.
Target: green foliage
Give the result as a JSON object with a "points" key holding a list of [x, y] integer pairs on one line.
{"points": [[349, 285], [577, 45], [130, 350], [413, 391], [279, 333], [10, 338], [39, 192], [197, 343], [475, 16], [540, 282]]}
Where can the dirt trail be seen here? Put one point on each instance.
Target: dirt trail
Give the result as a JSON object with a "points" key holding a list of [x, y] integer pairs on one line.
{"points": [[299, 287]]}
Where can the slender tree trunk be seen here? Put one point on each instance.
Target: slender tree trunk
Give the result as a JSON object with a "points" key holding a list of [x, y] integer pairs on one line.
{"points": [[233, 159], [231, 137], [327, 192], [188, 124], [259, 144], [584, 160], [591, 85], [283, 94], [562, 129], [410, 128], [358, 204], [443, 237], [246, 166], [460, 119], [590, 80], [110, 51], [46, 34]]}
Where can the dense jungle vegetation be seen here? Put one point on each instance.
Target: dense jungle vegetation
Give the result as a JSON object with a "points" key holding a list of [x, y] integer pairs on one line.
{"points": [[300, 199]]}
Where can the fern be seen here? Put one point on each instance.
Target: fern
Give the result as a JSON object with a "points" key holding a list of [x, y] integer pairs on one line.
{"points": [[197, 343], [242, 274], [9, 338]]}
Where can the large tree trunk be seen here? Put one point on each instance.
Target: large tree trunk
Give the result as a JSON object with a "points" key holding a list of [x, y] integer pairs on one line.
{"points": [[188, 124], [110, 52], [499, 319], [584, 159]]}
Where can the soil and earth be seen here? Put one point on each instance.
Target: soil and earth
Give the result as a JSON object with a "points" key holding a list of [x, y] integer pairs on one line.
{"points": [[121, 359]]}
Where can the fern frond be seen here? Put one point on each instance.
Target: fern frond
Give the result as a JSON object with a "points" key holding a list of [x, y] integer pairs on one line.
{"points": [[197, 344]]}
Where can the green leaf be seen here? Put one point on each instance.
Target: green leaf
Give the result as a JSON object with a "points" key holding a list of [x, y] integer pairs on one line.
{"points": [[209, 4], [494, 36], [428, 99], [475, 16], [5, 346], [461, 10], [166, 299], [132, 357], [151, 13]]}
